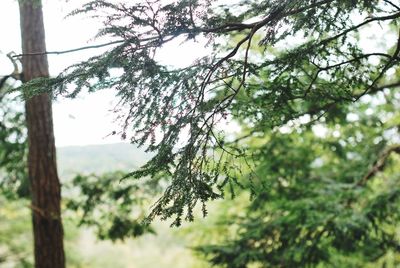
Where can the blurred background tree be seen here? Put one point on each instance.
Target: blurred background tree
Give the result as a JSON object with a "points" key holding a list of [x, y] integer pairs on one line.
{"points": [[327, 194]]}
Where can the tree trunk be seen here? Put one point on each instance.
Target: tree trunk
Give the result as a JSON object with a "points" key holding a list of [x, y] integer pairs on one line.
{"points": [[44, 182]]}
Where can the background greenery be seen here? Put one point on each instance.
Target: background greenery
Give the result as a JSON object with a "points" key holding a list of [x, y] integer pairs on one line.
{"points": [[167, 248], [314, 169]]}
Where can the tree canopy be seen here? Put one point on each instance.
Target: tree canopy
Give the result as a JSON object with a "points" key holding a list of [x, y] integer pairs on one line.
{"points": [[274, 65]]}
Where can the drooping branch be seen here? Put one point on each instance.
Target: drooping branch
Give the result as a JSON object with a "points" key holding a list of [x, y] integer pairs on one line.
{"points": [[324, 72]]}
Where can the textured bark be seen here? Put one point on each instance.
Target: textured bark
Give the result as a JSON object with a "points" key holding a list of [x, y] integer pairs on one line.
{"points": [[44, 181]]}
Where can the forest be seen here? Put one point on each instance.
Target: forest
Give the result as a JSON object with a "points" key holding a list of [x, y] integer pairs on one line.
{"points": [[244, 133]]}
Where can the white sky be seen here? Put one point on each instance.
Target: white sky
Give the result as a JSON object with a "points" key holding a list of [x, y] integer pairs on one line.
{"points": [[87, 119]]}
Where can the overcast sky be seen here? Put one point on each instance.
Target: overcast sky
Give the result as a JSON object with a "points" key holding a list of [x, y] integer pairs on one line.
{"points": [[87, 119]]}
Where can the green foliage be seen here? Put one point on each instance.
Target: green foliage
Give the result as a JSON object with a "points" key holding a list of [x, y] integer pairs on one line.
{"points": [[317, 110], [325, 70], [15, 230], [13, 175], [327, 189], [317, 206], [165, 249], [113, 207]]}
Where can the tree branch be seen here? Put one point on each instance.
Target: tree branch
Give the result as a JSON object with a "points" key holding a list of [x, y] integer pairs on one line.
{"points": [[70, 50], [392, 4], [379, 164]]}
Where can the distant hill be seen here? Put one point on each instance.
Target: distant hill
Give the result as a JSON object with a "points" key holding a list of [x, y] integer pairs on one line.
{"points": [[99, 158]]}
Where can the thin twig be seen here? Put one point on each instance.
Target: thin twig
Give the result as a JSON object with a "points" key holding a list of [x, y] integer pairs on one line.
{"points": [[69, 50], [392, 4]]}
